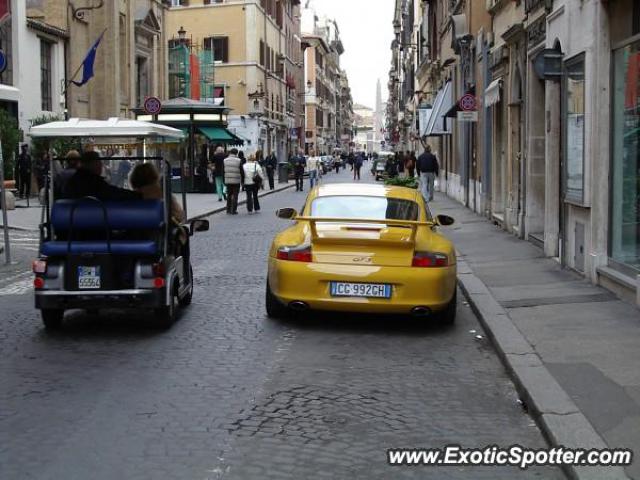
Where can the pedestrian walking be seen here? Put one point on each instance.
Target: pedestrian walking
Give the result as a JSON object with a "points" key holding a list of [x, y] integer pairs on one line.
{"points": [[402, 157], [271, 164], [351, 160], [428, 169], [315, 169], [410, 164], [23, 170], [233, 178], [299, 163], [357, 166], [253, 180], [218, 172]]}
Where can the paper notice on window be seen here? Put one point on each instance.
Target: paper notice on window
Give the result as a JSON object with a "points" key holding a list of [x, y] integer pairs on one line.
{"points": [[575, 153]]}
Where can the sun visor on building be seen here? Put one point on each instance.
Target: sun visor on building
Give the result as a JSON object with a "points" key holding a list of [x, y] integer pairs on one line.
{"points": [[438, 123], [492, 92]]}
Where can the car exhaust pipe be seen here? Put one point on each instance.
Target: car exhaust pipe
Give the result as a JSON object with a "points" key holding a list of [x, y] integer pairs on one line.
{"points": [[421, 311], [298, 306]]}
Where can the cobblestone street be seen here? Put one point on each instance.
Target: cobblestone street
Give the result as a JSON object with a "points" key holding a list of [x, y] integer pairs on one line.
{"points": [[228, 393]]}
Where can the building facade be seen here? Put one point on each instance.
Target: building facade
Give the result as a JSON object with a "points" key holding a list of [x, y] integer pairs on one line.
{"points": [[327, 86], [550, 151], [257, 65], [32, 88]]}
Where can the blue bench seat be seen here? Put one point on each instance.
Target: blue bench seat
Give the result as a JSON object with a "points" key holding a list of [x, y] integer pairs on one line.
{"points": [[133, 216]]}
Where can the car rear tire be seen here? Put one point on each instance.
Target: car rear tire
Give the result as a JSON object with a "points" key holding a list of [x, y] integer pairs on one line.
{"points": [[185, 301], [52, 318], [448, 316], [275, 309]]}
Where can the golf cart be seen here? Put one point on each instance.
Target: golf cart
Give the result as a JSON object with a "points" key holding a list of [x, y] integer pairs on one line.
{"points": [[97, 254], [379, 167]]}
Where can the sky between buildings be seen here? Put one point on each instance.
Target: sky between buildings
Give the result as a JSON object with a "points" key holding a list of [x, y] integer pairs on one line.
{"points": [[366, 30]]}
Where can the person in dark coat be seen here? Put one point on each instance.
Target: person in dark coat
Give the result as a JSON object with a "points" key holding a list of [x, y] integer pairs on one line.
{"points": [[410, 164], [428, 169], [271, 164], [62, 177], [299, 164], [87, 181], [23, 171]]}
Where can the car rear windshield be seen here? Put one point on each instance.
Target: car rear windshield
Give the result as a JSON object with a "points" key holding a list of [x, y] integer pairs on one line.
{"points": [[377, 208]]}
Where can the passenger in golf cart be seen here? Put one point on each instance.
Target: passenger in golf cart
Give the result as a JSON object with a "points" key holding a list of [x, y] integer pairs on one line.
{"points": [[89, 182], [107, 247]]}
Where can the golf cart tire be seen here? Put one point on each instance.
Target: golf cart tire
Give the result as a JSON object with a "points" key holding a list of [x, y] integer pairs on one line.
{"points": [[52, 318]]}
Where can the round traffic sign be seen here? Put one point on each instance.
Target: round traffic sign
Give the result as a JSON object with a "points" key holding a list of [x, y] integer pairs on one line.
{"points": [[152, 105], [3, 61], [468, 102]]}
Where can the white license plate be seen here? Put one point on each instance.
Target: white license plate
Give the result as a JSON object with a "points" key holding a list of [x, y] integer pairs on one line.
{"points": [[370, 290], [88, 278]]}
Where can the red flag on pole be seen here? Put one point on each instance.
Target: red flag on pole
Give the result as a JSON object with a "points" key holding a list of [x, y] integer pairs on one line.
{"points": [[194, 66], [631, 91]]}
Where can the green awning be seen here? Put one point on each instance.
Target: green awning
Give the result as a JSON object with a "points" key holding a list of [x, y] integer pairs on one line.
{"points": [[221, 135]]}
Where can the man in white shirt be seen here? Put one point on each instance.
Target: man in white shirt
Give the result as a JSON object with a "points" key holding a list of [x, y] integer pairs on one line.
{"points": [[315, 167]]}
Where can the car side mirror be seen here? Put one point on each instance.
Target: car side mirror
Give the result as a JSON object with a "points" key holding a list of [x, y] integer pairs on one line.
{"points": [[286, 213], [445, 220], [199, 225]]}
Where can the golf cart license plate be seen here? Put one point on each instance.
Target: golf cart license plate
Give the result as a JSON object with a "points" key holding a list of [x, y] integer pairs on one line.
{"points": [[88, 278], [373, 290]]}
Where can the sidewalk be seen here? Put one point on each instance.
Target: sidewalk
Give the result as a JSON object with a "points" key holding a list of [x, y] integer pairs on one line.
{"points": [[198, 205], [573, 349]]}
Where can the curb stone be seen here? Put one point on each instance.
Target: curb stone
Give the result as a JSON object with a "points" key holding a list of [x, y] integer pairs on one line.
{"points": [[240, 202], [559, 418]]}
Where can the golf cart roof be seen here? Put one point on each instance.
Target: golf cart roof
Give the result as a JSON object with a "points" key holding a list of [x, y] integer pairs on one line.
{"points": [[114, 127]]}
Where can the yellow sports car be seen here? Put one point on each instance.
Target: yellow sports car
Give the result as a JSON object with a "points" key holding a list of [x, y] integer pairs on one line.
{"points": [[363, 248]]}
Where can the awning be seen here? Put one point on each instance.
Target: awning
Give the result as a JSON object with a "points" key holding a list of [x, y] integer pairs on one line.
{"points": [[492, 93], [438, 123], [221, 135]]}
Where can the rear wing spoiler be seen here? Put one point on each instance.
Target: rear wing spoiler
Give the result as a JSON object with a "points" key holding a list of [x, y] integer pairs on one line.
{"points": [[413, 224]]}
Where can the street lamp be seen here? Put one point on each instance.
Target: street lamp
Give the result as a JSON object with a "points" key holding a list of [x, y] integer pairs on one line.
{"points": [[182, 34]]}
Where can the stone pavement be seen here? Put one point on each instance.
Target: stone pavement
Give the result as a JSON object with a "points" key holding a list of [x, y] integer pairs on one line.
{"points": [[228, 393], [572, 348]]}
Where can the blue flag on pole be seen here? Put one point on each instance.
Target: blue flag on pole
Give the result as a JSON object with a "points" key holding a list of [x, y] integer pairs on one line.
{"points": [[87, 64]]}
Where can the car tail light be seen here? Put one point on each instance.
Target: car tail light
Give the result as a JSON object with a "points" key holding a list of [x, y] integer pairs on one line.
{"points": [[39, 266], [158, 282], [38, 282], [430, 260], [295, 254]]}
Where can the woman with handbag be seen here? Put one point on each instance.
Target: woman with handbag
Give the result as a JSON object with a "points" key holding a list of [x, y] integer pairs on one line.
{"points": [[253, 180]]}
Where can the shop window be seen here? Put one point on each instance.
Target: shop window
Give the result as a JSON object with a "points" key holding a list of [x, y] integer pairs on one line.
{"points": [[574, 131], [625, 162]]}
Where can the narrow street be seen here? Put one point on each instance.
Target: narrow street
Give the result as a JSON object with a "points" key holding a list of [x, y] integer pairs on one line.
{"points": [[228, 393]]}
